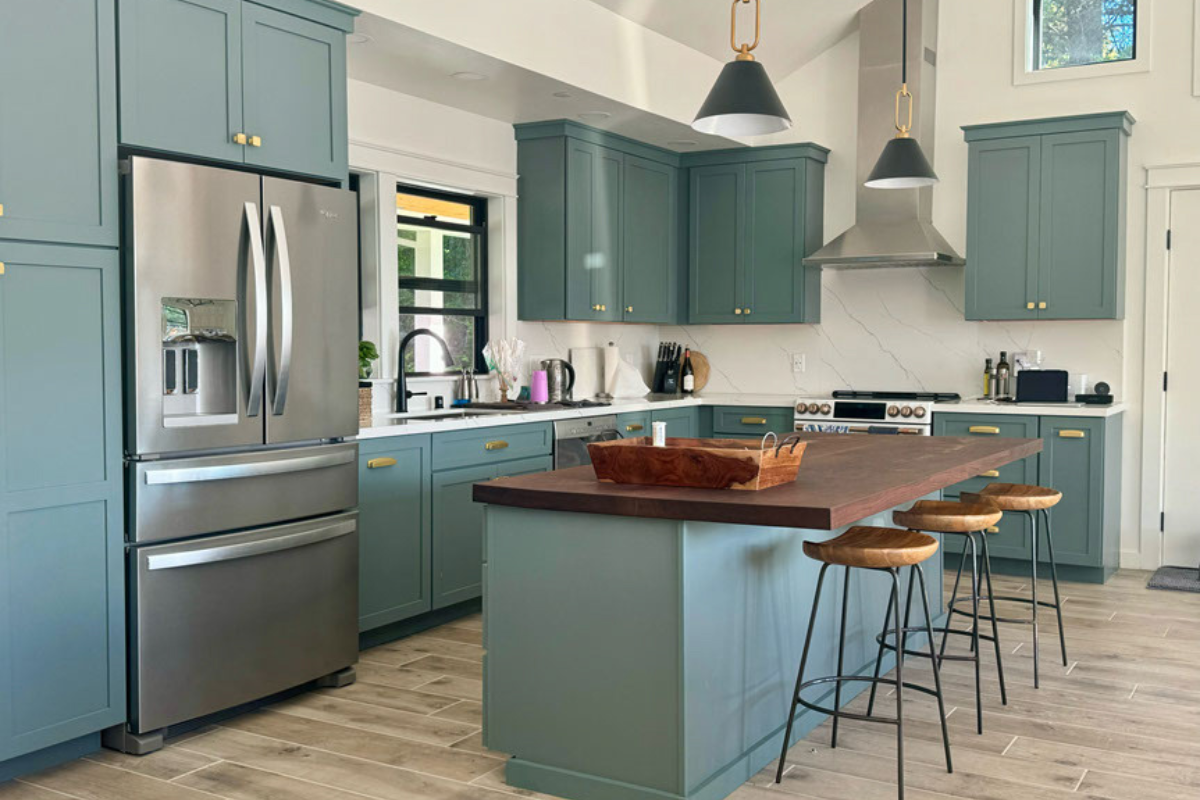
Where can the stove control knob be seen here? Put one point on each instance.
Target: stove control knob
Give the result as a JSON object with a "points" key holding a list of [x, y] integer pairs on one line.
{"points": [[893, 411], [906, 412], [826, 408], [919, 412], [801, 407], [813, 408]]}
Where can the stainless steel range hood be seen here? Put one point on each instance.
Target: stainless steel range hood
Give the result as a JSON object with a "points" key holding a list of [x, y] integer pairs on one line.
{"points": [[894, 227]]}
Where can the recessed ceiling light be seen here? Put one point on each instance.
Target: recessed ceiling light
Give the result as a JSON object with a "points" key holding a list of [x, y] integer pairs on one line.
{"points": [[594, 116], [469, 76], [682, 143], [562, 95], [359, 38]]}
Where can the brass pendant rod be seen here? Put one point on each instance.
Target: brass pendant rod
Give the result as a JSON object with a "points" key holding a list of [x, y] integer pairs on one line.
{"points": [[743, 50]]}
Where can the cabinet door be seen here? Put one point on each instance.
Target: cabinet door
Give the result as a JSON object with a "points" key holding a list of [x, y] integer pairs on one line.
{"points": [[458, 534], [62, 589], [593, 232], [1003, 218], [181, 76], [650, 258], [394, 531], [1073, 463], [716, 244], [294, 93], [774, 275], [58, 149], [1080, 230], [682, 423]]}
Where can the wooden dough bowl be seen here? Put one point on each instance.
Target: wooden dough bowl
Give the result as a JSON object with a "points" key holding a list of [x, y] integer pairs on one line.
{"points": [[697, 463]]}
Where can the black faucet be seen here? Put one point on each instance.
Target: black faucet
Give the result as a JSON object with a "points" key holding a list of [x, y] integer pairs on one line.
{"points": [[402, 392]]}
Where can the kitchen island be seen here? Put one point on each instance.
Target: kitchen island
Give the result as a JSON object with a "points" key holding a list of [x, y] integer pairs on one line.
{"points": [[642, 641]]}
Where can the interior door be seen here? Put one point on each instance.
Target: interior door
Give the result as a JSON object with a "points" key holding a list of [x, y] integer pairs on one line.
{"points": [[312, 257], [1181, 501], [194, 270]]}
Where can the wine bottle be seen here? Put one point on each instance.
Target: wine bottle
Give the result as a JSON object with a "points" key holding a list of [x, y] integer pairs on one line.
{"points": [[688, 374], [1002, 374]]}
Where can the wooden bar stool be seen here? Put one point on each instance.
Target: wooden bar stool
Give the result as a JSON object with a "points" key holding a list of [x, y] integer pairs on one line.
{"points": [[881, 550], [971, 520], [1029, 500]]}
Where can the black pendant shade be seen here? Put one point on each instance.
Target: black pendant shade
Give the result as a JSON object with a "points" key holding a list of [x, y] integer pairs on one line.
{"points": [[742, 103], [902, 165]]}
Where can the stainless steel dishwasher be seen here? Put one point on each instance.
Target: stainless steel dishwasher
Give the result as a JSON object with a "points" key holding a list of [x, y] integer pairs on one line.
{"points": [[571, 437]]}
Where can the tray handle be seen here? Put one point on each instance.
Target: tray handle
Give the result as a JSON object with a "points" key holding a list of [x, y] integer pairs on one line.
{"points": [[763, 444], [795, 439]]}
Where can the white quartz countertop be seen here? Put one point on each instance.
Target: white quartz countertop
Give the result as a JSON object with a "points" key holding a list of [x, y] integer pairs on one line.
{"points": [[414, 423], [970, 406]]}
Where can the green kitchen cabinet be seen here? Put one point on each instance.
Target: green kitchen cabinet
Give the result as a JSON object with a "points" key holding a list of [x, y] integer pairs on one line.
{"points": [[682, 423], [394, 529], [62, 587], [58, 122], [257, 83], [599, 224], [754, 215], [1046, 218], [634, 424], [752, 422]]}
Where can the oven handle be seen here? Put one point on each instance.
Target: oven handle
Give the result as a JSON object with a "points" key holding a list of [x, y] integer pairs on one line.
{"points": [[232, 552]]}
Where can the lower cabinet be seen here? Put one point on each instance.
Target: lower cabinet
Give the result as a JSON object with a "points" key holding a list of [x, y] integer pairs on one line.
{"points": [[394, 530], [682, 423], [634, 424], [62, 587], [751, 423]]}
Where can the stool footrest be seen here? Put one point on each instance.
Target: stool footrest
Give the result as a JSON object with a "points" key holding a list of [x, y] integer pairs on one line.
{"points": [[886, 645], [1011, 620], [839, 679]]}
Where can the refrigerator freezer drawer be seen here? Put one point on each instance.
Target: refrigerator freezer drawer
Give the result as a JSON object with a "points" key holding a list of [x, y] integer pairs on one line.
{"points": [[176, 498], [228, 619]]}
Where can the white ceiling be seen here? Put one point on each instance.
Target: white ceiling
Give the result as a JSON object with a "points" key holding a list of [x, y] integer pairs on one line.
{"points": [[793, 31]]}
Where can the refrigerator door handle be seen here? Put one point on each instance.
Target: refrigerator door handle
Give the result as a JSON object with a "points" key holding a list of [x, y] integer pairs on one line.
{"points": [[286, 309], [259, 259], [231, 552]]}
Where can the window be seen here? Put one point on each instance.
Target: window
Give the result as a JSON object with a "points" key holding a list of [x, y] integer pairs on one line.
{"points": [[1058, 40], [442, 266], [1073, 33]]}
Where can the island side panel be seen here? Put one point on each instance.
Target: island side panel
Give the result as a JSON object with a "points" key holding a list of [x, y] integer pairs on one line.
{"points": [[583, 651]]}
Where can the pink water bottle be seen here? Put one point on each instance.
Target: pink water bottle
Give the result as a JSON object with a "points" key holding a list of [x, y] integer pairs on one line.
{"points": [[539, 387]]}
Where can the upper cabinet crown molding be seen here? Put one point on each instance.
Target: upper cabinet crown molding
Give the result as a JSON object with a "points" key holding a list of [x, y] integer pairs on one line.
{"points": [[1078, 123]]}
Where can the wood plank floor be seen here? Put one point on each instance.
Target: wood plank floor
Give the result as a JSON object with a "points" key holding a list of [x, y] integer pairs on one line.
{"points": [[1120, 721]]}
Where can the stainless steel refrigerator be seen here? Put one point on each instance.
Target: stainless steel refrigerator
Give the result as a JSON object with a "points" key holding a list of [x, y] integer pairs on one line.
{"points": [[241, 335]]}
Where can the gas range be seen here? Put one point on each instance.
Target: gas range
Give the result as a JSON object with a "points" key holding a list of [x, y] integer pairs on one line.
{"points": [[903, 413]]}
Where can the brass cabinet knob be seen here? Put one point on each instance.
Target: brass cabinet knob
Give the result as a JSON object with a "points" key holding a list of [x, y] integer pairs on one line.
{"points": [[746, 311], [604, 308], [1029, 305], [628, 309], [1042, 304], [1, 209], [256, 141], [595, 306], [1, 267], [737, 311], [239, 138]]}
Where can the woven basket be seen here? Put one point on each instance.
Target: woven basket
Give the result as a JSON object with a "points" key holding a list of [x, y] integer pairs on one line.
{"points": [[364, 406]]}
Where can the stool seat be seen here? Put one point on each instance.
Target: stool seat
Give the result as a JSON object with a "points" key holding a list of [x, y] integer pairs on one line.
{"points": [[874, 548], [1015, 496], [948, 516]]}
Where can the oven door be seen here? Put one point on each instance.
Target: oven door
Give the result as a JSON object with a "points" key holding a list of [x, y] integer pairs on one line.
{"points": [[860, 428], [573, 452]]}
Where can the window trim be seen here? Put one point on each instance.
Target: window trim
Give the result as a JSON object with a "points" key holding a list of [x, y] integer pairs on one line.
{"points": [[1025, 50], [478, 227]]}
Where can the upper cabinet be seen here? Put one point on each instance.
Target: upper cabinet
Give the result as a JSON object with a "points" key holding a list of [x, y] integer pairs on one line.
{"points": [[237, 81], [58, 129], [1046, 218], [599, 224], [754, 215]]}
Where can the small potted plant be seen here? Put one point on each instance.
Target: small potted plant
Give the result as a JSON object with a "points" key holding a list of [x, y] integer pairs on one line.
{"points": [[367, 354]]}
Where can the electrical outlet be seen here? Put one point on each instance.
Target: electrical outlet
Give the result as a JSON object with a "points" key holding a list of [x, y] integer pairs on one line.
{"points": [[797, 362]]}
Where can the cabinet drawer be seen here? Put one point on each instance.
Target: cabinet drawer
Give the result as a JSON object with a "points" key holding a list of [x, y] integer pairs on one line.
{"points": [[634, 424], [991, 425], [730, 421], [491, 445]]}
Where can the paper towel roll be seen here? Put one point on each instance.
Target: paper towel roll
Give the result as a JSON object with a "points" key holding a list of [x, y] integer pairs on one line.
{"points": [[612, 363], [588, 364]]}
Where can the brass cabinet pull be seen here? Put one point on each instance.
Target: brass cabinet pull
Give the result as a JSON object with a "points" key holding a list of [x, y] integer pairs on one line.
{"points": [[1042, 304], [378, 463], [497, 445], [988, 429], [256, 141], [1072, 434], [239, 138], [992, 529], [754, 420], [636, 426], [737, 311], [991, 473], [1030, 305]]}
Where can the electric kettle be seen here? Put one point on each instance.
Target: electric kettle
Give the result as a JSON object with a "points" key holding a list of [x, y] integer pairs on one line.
{"points": [[560, 378]]}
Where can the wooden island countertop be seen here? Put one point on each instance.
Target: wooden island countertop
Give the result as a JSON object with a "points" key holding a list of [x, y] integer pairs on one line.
{"points": [[843, 479]]}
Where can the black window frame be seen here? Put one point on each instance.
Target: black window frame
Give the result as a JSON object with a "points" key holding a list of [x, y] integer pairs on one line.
{"points": [[1037, 42], [479, 287]]}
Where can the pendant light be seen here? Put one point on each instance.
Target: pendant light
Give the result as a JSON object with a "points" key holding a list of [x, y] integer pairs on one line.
{"points": [[902, 165], [742, 101]]}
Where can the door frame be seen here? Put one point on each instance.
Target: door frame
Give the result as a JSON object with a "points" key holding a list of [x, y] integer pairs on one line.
{"points": [[1161, 182]]}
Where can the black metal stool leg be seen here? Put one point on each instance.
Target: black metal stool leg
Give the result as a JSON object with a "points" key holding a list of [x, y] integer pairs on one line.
{"points": [[953, 596], [837, 687], [933, 661], [879, 656], [1062, 637], [791, 717], [975, 631], [1033, 565], [899, 690], [987, 572]]}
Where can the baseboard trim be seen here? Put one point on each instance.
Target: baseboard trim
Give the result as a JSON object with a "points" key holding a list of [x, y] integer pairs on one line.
{"points": [[49, 757]]}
